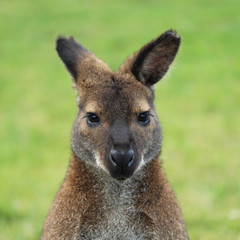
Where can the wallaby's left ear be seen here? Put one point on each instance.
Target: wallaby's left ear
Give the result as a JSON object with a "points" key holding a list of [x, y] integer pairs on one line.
{"points": [[152, 61]]}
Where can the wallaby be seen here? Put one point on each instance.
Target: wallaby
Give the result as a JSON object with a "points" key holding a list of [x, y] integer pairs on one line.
{"points": [[115, 186]]}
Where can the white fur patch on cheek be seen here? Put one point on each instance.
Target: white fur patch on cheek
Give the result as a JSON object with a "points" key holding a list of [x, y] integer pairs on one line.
{"points": [[141, 163], [99, 162]]}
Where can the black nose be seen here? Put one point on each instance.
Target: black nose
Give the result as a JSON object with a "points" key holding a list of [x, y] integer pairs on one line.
{"points": [[122, 157]]}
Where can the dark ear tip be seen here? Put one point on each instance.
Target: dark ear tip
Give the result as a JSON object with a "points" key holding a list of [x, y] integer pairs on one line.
{"points": [[62, 39], [172, 36], [172, 33], [60, 42], [68, 43]]}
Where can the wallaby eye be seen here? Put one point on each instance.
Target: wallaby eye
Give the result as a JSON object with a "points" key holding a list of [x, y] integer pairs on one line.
{"points": [[144, 118], [92, 119]]}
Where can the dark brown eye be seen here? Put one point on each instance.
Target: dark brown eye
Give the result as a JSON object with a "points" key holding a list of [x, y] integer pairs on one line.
{"points": [[92, 119], [144, 118]]}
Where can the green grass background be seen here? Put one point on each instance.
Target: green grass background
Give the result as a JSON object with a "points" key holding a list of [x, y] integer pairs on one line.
{"points": [[198, 103]]}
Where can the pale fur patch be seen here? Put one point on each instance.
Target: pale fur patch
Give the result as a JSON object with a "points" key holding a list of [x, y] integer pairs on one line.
{"points": [[91, 106], [141, 106], [121, 219]]}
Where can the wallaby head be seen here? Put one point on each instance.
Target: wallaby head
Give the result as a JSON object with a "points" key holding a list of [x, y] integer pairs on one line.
{"points": [[117, 128]]}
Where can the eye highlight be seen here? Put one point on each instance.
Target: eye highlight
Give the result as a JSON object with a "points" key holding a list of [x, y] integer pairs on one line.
{"points": [[92, 119], [144, 118]]}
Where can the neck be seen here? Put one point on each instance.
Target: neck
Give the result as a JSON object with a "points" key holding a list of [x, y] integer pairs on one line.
{"points": [[87, 178], [91, 196]]}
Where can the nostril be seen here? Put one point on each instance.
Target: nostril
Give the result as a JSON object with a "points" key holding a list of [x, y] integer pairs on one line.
{"points": [[114, 157], [113, 160], [130, 163]]}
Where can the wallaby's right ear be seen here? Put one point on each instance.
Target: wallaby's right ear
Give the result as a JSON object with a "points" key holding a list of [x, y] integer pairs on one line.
{"points": [[79, 61], [70, 52]]}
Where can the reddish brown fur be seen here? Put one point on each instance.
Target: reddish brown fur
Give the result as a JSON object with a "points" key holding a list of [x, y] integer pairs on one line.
{"points": [[76, 195], [81, 192], [91, 204]]}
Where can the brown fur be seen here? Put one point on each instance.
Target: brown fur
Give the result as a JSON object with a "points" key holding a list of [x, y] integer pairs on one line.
{"points": [[80, 200], [91, 203]]}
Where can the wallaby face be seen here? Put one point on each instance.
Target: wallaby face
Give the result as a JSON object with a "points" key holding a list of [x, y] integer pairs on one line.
{"points": [[117, 128], [115, 186]]}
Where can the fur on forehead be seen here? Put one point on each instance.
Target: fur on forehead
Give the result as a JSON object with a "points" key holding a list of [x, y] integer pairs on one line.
{"points": [[107, 85]]}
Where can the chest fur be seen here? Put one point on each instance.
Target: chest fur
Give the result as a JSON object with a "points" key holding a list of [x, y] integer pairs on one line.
{"points": [[118, 223], [116, 217]]}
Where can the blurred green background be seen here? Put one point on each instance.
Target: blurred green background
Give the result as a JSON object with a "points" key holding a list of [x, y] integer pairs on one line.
{"points": [[198, 103]]}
